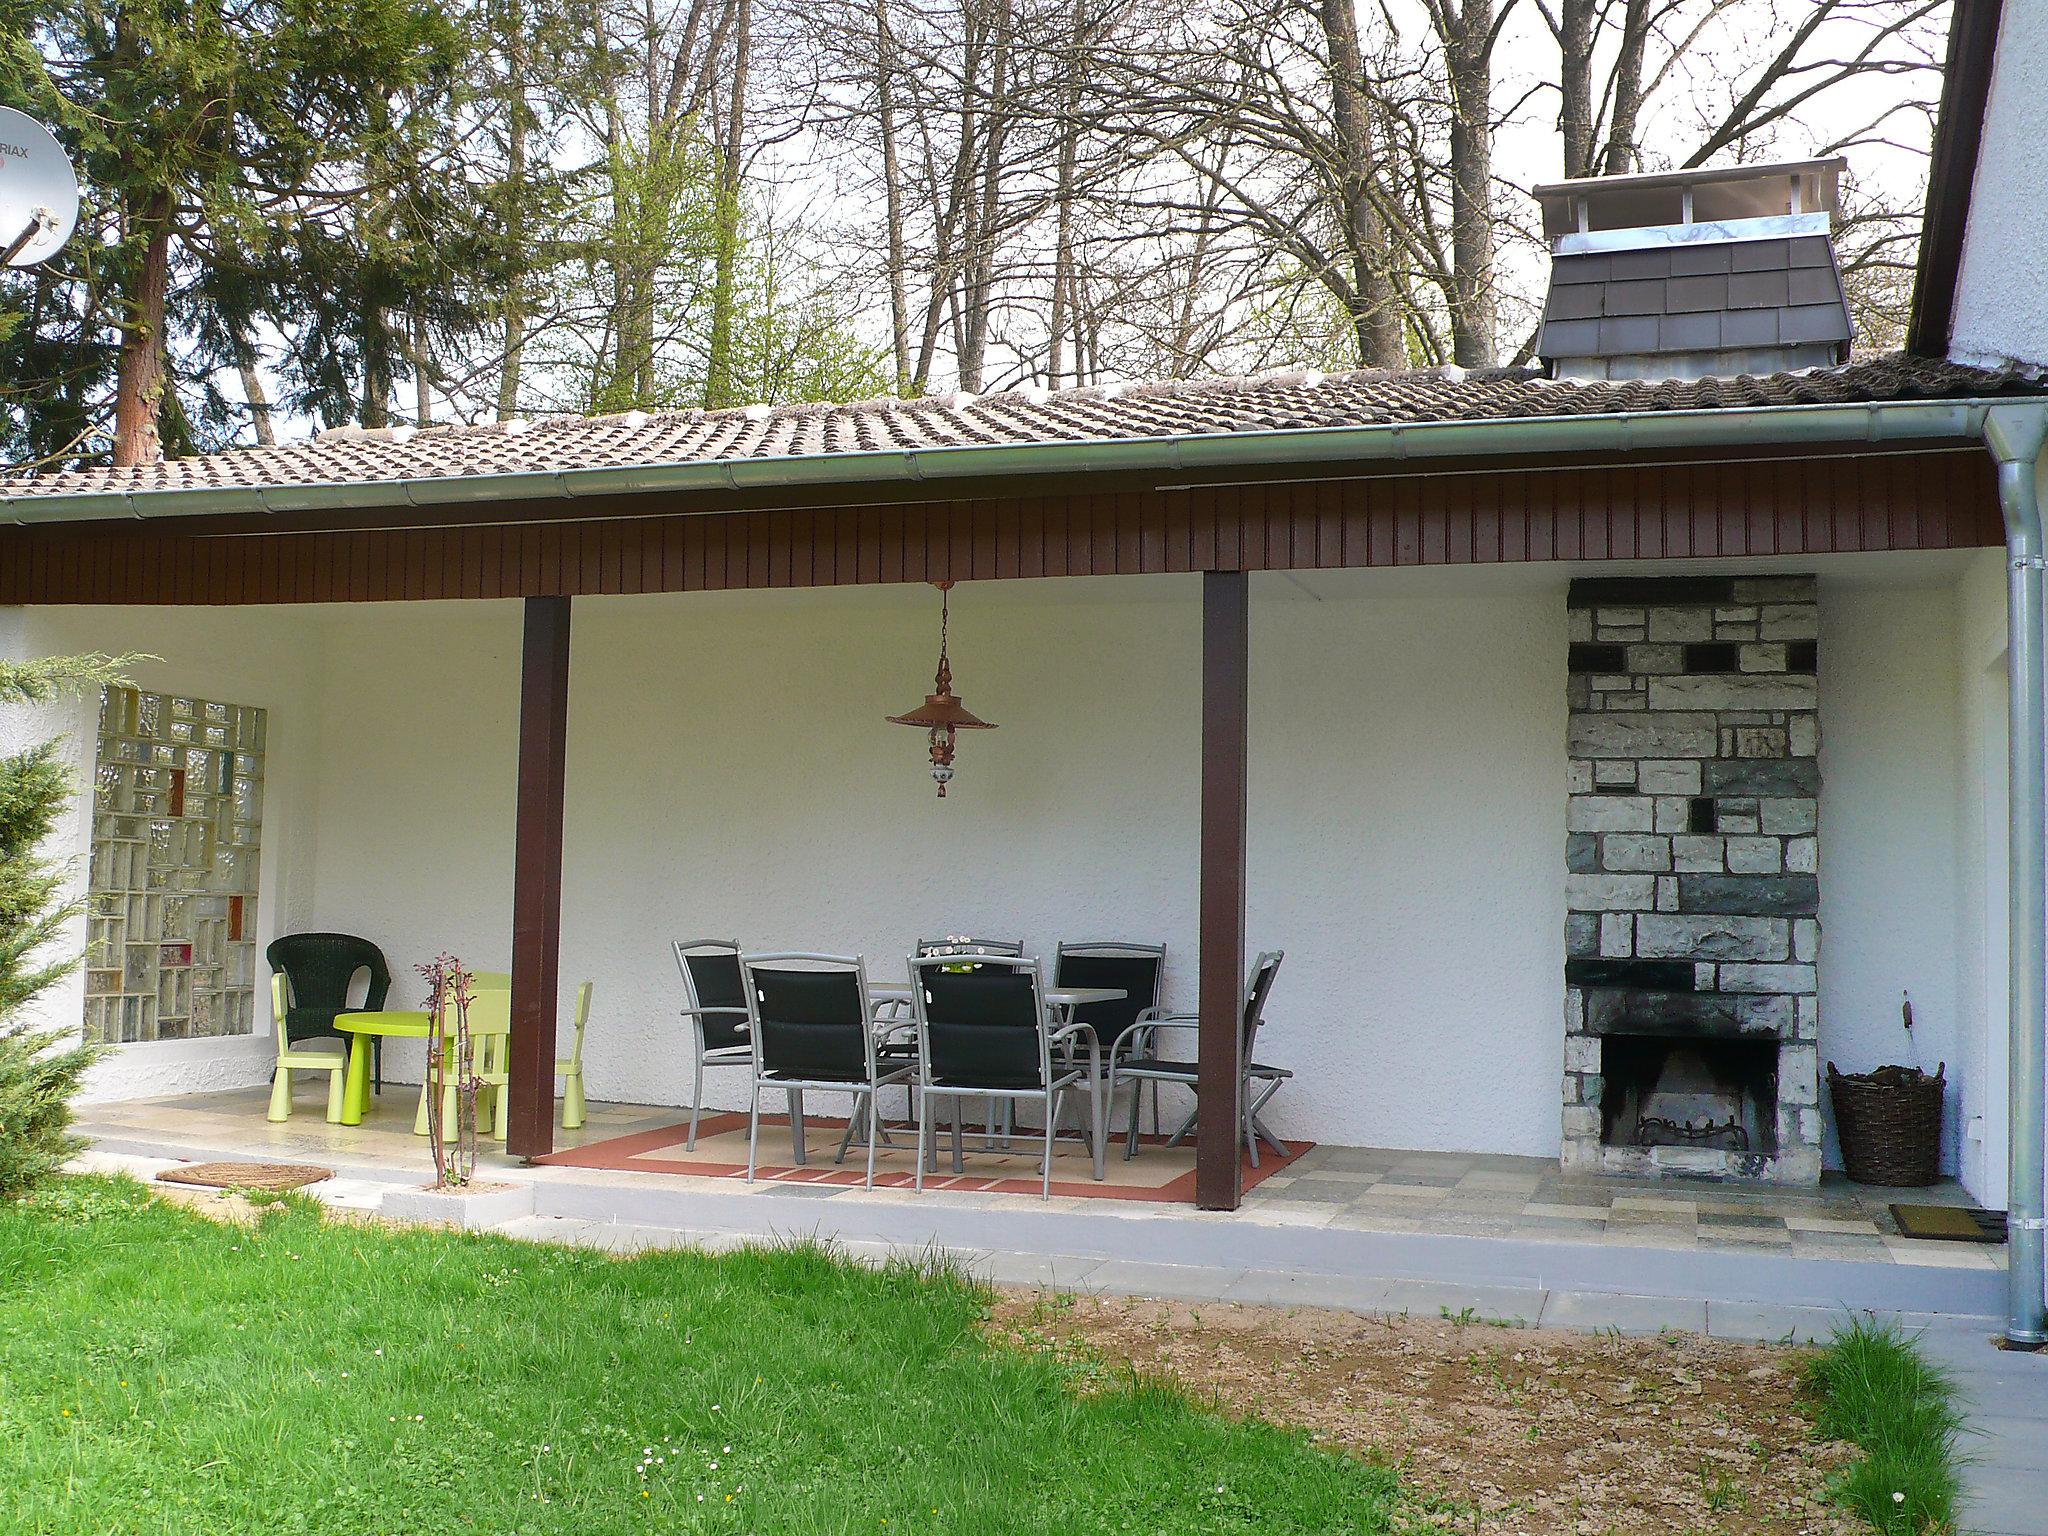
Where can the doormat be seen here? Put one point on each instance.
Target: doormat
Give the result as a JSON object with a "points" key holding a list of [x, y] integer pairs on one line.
{"points": [[1950, 1223], [271, 1176]]}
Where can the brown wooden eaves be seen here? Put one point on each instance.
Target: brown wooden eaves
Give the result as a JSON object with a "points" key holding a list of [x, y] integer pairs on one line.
{"points": [[1796, 504]]}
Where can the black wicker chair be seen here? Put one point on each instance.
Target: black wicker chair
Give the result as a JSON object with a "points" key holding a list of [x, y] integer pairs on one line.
{"points": [[321, 968]]}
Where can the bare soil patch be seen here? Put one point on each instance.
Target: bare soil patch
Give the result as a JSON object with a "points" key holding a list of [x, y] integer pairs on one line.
{"points": [[1511, 1431]]}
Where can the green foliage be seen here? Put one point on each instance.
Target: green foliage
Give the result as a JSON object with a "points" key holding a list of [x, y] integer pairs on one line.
{"points": [[42, 678], [787, 346], [1874, 1389], [39, 1068], [174, 1376], [255, 139]]}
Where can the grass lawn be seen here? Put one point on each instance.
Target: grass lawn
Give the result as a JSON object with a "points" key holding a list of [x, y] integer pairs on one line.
{"points": [[1875, 1389], [162, 1373]]}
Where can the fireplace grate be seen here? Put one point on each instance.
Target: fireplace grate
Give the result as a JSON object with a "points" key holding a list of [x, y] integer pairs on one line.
{"points": [[1655, 1131]]}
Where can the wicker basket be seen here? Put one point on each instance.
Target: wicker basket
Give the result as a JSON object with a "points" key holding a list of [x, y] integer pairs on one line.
{"points": [[1889, 1123]]}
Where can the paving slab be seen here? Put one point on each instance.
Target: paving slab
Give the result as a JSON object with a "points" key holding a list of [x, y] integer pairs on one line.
{"points": [[1287, 1288], [1133, 1277], [1763, 1322], [1593, 1312], [2003, 1506], [2005, 1443], [1049, 1271], [1486, 1303]]}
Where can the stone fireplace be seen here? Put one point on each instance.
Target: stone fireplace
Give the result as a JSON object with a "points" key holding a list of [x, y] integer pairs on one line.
{"points": [[1692, 878]]}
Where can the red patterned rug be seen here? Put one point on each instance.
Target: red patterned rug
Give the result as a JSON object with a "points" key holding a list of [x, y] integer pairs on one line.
{"points": [[1158, 1172]]}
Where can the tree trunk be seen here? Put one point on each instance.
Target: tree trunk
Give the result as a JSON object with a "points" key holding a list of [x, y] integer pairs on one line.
{"points": [[422, 387], [517, 235], [1375, 316], [1620, 157], [139, 370], [247, 364], [1575, 29], [951, 211], [718, 373], [892, 189], [978, 276], [1063, 193], [1468, 58]]}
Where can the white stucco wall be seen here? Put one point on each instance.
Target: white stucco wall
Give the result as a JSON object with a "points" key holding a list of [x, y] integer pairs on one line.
{"points": [[730, 775], [267, 657], [1999, 315], [1891, 751], [1981, 841]]}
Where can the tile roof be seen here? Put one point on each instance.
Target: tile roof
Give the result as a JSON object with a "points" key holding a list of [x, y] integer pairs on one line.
{"points": [[1272, 402]]}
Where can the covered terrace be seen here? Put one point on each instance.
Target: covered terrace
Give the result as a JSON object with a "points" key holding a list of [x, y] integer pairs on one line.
{"points": [[1287, 652]]}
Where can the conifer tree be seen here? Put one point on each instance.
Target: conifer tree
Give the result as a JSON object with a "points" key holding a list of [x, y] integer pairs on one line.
{"points": [[40, 1065]]}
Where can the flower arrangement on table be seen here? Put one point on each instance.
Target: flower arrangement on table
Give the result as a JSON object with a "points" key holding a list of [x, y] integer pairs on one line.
{"points": [[954, 944]]}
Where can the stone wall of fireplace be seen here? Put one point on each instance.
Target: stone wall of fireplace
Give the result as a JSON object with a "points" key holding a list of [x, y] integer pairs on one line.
{"points": [[1692, 878]]}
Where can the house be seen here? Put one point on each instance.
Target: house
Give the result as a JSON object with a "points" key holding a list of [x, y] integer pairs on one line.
{"points": [[1609, 746]]}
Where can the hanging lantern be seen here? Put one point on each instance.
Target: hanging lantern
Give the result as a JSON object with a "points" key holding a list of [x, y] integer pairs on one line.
{"points": [[941, 714]]}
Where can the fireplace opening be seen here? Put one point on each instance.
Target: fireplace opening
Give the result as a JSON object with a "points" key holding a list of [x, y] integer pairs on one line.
{"points": [[1657, 1091]]}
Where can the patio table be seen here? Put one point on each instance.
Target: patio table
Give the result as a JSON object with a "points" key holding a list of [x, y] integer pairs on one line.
{"points": [[1059, 997], [403, 1024]]}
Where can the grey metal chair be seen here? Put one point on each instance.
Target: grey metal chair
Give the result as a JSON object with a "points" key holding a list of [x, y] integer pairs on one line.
{"points": [[1132, 1058], [813, 1030], [955, 949], [986, 1033], [1137, 971], [715, 994]]}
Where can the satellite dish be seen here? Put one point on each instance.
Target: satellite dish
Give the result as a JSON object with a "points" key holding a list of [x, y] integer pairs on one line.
{"points": [[38, 193]]}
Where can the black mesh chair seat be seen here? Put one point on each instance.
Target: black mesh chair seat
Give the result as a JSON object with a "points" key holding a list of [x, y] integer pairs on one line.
{"points": [[1135, 975], [982, 1028], [1152, 1066], [715, 1009], [810, 1026], [718, 994], [823, 1072], [1135, 1057], [992, 1082], [984, 1031]]}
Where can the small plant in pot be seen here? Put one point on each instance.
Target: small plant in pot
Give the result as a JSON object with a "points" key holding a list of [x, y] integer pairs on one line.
{"points": [[1889, 1120]]}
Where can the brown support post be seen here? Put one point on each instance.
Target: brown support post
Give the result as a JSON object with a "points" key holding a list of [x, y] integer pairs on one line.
{"points": [[1219, 1177], [537, 875]]}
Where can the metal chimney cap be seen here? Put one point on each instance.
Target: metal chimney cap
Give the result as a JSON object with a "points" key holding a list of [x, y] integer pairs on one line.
{"points": [[1737, 202]]}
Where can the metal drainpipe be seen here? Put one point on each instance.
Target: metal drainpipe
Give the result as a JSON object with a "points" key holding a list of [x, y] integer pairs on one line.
{"points": [[2014, 434]]}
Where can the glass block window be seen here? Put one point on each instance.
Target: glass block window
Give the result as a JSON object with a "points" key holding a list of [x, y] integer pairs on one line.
{"points": [[171, 914]]}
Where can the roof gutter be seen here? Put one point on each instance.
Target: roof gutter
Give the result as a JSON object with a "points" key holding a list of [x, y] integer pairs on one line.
{"points": [[1621, 432]]}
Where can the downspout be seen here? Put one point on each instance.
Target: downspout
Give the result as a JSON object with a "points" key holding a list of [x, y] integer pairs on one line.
{"points": [[2014, 434]]}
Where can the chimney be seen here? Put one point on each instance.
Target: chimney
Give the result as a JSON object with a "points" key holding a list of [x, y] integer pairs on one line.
{"points": [[1686, 274]]}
